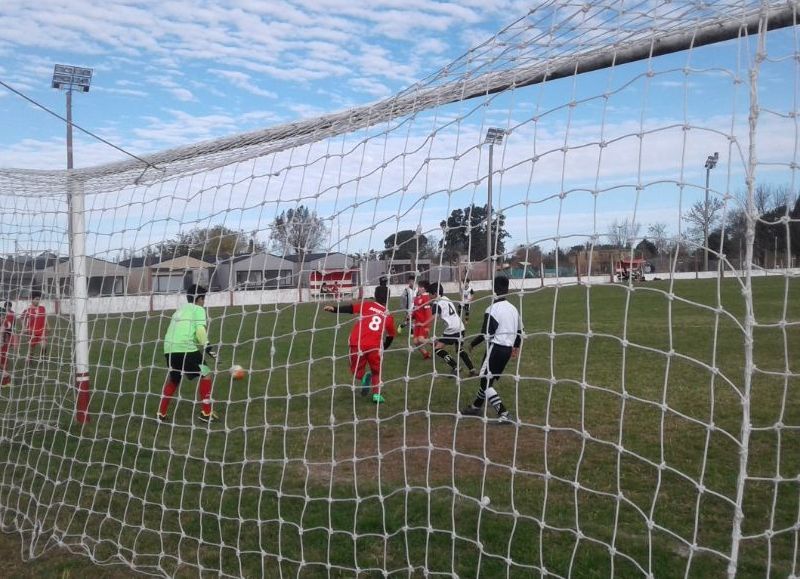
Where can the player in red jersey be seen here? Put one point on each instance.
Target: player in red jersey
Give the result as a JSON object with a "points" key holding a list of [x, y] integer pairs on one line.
{"points": [[422, 315], [34, 325], [6, 339], [367, 338]]}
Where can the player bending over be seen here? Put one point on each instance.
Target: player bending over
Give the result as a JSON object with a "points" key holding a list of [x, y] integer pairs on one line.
{"points": [[502, 330], [367, 338], [422, 316], [185, 344], [34, 324], [453, 334]]}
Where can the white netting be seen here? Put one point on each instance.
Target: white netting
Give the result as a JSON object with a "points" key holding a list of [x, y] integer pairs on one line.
{"points": [[655, 424]]}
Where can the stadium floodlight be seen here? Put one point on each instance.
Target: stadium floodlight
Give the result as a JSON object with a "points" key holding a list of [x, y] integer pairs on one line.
{"points": [[70, 78], [494, 136], [67, 77], [711, 162]]}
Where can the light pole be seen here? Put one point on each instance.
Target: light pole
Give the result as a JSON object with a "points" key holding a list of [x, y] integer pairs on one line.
{"points": [[494, 136], [711, 162], [71, 78]]}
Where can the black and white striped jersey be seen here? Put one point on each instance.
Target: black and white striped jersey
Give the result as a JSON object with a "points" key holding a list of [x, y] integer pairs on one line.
{"points": [[448, 314], [502, 325]]}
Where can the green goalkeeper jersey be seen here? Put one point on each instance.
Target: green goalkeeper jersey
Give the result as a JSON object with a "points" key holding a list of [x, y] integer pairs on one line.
{"points": [[187, 330]]}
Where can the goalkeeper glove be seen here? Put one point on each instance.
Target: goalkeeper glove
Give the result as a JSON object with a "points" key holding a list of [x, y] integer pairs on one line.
{"points": [[211, 352]]}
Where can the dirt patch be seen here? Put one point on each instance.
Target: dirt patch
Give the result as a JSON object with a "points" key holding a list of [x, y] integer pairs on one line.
{"points": [[433, 451]]}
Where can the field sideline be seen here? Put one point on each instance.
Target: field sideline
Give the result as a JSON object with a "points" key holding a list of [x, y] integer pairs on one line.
{"points": [[625, 460]]}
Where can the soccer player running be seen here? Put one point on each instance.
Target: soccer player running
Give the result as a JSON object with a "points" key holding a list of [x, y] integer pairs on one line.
{"points": [[185, 344], [502, 329], [422, 316], [6, 340], [407, 302], [453, 334], [367, 339], [34, 323]]}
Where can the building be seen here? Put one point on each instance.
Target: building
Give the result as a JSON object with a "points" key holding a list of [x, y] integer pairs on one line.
{"points": [[256, 271], [105, 278], [176, 275]]}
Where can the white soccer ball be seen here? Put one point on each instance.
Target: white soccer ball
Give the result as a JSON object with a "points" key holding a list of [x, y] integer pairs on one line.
{"points": [[485, 501]]}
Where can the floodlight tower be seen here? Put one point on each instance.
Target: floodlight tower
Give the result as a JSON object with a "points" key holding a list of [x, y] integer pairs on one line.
{"points": [[494, 136], [69, 78], [711, 162]]}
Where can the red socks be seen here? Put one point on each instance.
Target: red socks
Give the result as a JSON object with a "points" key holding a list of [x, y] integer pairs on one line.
{"points": [[169, 391], [204, 393]]}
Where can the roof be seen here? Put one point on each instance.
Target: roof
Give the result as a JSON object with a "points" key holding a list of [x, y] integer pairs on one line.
{"points": [[182, 264], [147, 260]]}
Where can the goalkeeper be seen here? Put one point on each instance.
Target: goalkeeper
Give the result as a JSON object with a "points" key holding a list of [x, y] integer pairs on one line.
{"points": [[185, 344]]}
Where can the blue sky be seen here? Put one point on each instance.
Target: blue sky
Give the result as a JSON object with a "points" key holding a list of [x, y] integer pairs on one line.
{"points": [[173, 73]]}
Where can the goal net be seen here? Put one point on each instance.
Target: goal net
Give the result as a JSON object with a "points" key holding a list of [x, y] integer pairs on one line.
{"points": [[629, 167]]}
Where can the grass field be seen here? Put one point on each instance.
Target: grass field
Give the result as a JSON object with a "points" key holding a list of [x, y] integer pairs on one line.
{"points": [[625, 460]]}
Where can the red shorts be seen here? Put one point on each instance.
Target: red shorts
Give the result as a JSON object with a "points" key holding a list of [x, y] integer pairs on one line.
{"points": [[38, 338], [359, 361], [421, 331]]}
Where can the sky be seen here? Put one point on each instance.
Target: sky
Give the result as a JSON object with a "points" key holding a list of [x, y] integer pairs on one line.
{"points": [[627, 142]]}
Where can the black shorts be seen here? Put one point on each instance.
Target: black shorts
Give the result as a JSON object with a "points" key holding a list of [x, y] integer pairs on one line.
{"points": [[495, 362], [451, 339], [184, 363]]}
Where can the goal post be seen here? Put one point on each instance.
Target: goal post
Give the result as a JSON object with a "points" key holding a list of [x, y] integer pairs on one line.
{"points": [[621, 410]]}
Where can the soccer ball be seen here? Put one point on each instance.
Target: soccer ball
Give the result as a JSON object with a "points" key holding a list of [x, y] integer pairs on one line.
{"points": [[237, 372]]}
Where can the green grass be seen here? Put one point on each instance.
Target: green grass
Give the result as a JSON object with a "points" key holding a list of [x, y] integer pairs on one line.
{"points": [[625, 462]]}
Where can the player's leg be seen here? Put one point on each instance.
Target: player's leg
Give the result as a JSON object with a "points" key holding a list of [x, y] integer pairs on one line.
{"points": [[420, 339], [493, 365], [439, 348], [464, 355], [175, 365], [194, 368], [6, 379], [358, 364], [373, 358]]}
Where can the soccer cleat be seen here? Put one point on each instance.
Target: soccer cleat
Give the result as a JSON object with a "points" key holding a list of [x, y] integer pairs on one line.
{"points": [[472, 411], [378, 399], [454, 371], [208, 418], [366, 383], [506, 418], [161, 417]]}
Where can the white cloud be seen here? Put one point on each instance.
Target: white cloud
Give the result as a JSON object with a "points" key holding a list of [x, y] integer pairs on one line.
{"points": [[182, 94], [243, 81]]}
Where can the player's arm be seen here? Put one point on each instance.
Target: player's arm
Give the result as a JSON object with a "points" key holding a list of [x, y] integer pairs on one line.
{"points": [[391, 332], [352, 309], [488, 329]]}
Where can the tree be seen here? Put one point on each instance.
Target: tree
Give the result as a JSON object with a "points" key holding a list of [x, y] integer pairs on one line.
{"points": [[466, 233], [406, 244], [530, 254], [298, 232], [647, 248], [699, 217], [623, 233], [203, 243], [657, 232]]}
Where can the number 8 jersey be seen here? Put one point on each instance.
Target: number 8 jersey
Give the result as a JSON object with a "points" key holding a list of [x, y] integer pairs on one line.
{"points": [[367, 334]]}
